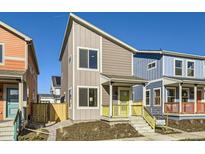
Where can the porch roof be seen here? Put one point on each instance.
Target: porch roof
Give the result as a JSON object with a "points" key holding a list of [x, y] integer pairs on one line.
{"points": [[184, 80], [122, 79], [11, 74]]}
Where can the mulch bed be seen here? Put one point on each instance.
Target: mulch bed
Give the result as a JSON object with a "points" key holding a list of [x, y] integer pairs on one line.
{"points": [[90, 131], [188, 125], [27, 135], [165, 130]]}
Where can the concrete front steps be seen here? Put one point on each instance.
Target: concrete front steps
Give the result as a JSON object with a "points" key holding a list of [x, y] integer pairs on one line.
{"points": [[140, 125], [6, 130]]}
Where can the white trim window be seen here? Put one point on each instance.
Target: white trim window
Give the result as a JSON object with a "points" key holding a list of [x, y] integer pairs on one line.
{"points": [[147, 97], [178, 67], [190, 68], [185, 94], [88, 59], [152, 65], [1, 53], [171, 95], [157, 97], [87, 97]]}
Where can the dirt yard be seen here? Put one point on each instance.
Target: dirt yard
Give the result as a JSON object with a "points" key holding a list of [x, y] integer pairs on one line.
{"points": [[27, 135], [90, 131], [188, 125]]}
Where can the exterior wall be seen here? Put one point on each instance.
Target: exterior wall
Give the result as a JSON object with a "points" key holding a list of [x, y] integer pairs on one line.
{"points": [[67, 71], [1, 103], [169, 67], [31, 82], [88, 39], [137, 93], [155, 110], [14, 51], [141, 62], [115, 59]]}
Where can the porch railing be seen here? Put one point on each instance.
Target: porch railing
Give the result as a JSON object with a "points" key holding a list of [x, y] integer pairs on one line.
{"points": [[200, 108], [105, 110], [137, 109], [151, 120], [188, 107], [120, 110], [16, 125], [171, 107]]}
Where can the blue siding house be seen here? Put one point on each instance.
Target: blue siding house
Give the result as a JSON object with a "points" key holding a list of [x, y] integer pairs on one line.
{"points": [[176, 86]]}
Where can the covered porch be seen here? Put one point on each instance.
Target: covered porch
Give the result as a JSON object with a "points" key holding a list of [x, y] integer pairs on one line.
{"points": [[11, 94], [184, 97], [117, 96]]}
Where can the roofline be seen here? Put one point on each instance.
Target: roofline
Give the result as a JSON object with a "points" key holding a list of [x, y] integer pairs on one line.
{"points": [[26, 38], [73, 17], [172, 53]]}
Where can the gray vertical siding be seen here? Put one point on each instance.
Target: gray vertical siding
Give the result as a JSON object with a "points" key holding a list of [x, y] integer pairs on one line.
{"points": [[169, 67], [86, 38], [155, 110], [138, 93], [116, 60], [67, 70], [140, 66]]}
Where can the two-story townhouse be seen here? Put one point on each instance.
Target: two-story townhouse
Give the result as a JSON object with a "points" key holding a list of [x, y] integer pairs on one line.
{"points": [[176, 83], [18, 74], [97, 73]]}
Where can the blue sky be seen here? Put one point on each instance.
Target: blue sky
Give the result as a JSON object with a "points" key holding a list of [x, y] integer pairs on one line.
{"points": [[183, 32]]}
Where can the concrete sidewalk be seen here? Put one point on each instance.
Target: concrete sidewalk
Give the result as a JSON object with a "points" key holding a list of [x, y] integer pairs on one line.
{"points": [[168, 137]]}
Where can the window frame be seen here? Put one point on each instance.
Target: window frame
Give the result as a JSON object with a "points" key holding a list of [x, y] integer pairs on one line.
{"points": [[177, 59], [88, 107], [149, 97], [188, 97], [154, 103], [175, 93], [187, 68], [3, 51], [78, 59], [155, 62]]}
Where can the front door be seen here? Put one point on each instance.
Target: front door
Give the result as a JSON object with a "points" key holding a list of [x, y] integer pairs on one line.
{"points": [[12, 102], [123, 101]]}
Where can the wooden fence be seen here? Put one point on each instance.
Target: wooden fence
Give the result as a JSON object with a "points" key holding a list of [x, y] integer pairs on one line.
{"points": [[47, 112]]}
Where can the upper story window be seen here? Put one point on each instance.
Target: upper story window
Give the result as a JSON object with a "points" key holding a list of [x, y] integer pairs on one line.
{"points": [[88, 59], [190, 68], [178, 67], [1, 52], [152, 65]]}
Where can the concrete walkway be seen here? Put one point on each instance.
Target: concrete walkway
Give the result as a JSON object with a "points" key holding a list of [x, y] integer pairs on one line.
{"points": [[168, 137], [52, 129]]}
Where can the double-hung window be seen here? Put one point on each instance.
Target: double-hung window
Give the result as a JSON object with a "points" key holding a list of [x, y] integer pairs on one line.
{"points": [[190, 68], [178, 67], [157, 97], [88, 59], [88, 97], [1, 53], [147, 97], [171, 95]]}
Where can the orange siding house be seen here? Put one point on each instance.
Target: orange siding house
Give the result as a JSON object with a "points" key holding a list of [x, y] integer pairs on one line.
{"points": [[18, 74]]}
